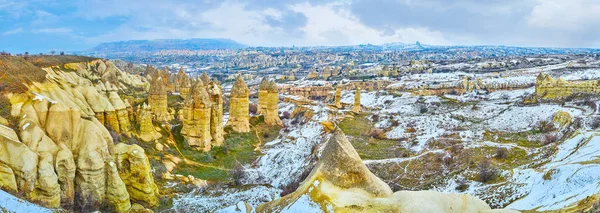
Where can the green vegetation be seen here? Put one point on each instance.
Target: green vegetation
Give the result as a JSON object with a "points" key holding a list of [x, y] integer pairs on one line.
{"points": [[217, 163], [369, 146], [57, 60]]}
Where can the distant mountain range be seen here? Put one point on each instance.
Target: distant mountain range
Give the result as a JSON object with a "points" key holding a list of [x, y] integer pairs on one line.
{"points": [[167, 44]]}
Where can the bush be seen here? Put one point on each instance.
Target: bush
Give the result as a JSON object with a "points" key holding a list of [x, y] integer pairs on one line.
{"points": [[546, 126], [237, 173], [285, 115], [376, 133], [400, 153], [595, 123], [423, 109], [294, 185], [395, 123], [462, 185], [486, 171], [501, 153], [375, 117], [550, 138]]}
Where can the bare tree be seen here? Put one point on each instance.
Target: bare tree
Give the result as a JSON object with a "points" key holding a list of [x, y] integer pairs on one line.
{"points": [[52, 52]]}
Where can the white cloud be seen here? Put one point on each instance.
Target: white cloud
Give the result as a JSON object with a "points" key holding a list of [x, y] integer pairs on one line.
{"points": [[332, 24], [15, 31], [573, 15]]}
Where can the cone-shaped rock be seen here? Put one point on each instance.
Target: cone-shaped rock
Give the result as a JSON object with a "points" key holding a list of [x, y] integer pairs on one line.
{"points": [[272, 111], [216, 113], [263, 93], [338, 96], [340, 182], [157, 99], [238, 107], [356, 107], [196, 118]]}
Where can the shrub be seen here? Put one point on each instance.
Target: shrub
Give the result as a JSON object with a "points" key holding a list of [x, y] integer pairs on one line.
{"points": [[376, 133], [400, 153], [595, 123], [501, 153], [285, 115], [546, 126], [550, 138], [423, 109], [294, 185], [237, 173], [462, 185], [375, 117], [395, 123], [486, 171]]}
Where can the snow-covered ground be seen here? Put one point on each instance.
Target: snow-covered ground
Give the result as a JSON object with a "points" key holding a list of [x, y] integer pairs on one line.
{"points": [[10, 203]]}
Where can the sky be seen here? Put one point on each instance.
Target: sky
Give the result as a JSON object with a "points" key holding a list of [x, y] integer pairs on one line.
{"points": [[75, 25]]}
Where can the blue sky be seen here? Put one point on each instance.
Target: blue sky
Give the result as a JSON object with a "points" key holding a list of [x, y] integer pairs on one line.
{"points": [[71, 25]]}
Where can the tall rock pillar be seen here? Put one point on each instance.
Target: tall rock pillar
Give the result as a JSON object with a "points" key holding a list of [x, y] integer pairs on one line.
{"points": [[272, 112], [356, 107], [196, 118], [263, 94], [216, 113], [238, 107]]}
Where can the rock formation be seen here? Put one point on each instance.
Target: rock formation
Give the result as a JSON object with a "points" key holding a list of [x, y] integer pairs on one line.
{"points": [[196, 118], [340, 182], [263, 93], [135, 171], [291, 77], [272, 108], [157, 99], [326, 72], [356, 106], [313, 74], [144, 118], [338, 96], [548, 88], [238, 107], [216, 113], [62, 154]]}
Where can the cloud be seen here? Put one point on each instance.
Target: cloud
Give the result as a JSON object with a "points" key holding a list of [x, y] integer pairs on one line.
{"points": [[58, 30], [15, 31], [574, 15]]}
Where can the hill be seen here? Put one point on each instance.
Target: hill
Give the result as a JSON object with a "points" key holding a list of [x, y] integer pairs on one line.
{"points": [[168, 44]]}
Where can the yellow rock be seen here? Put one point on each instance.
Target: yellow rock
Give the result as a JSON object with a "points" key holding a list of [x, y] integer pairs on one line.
{"points": [[338, 96], [157, 99], [65, 170], [116, 191], [7, 178], [147, 131], [340, 182], [356, 106], [135, 171], [47, 190], [196, 118], [238, 107], [272, 108], [313, 74], [263, 93], [562, 118], [326, 72], [216, 113]]}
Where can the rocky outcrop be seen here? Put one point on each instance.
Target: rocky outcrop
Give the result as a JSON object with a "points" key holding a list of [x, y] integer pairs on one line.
{"points": [[216, 113], [313, 74], [547, 87], [63, 155], [272, 108], [291, 77], [340, 182], [326, 72], [338, 96], [238, 107], [263, 93], [157, 99], [356, 105], [196, 118], [135, 171], [144, 118]]}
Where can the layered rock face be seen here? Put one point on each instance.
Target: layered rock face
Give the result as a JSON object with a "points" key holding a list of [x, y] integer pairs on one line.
{"points": [[183, 83], [63, 156], [238, 107], [157, 99], [356, 106], [549, 88], [263, 93], [272, 102], [135, 171], [196, 118], [340, 182]]}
